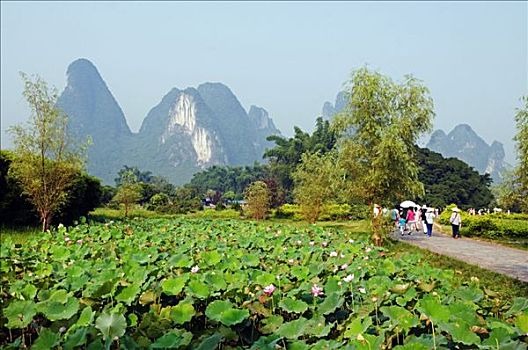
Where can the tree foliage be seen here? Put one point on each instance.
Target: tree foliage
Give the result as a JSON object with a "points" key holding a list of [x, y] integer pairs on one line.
{"points": [[287, 153], [450, 180], [315, 180], [46, 160], [378, 130], [85, 195], [387, 119], [257, 198], [129, 191], [521, 120]]}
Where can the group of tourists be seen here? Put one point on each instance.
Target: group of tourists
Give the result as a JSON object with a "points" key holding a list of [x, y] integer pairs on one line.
{"points": [[421, 219]]}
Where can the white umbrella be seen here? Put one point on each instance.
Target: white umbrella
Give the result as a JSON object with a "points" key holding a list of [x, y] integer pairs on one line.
{"points": [[408, 204]]}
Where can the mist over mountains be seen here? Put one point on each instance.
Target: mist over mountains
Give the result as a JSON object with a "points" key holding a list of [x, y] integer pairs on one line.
{"points": [[462, 143], [186, 132]]}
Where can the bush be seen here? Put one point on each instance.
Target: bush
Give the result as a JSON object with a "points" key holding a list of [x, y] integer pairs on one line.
{"points": [[330, 212], [216, 214], [490, 227]]}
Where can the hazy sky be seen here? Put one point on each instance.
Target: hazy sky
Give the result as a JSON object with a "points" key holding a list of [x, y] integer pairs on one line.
{"points": [[286, 57]]}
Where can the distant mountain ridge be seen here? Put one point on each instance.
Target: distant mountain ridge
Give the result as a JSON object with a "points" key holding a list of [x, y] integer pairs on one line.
{"points": [[186, 132], [462, 143]]}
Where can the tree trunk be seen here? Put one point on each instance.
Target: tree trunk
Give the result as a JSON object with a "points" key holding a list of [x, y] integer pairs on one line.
{"points": [[45, 217]]}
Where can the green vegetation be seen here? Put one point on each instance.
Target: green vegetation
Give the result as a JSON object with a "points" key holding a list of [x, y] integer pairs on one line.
{"points": [[157, 283], [46, 160], [521, 120], [257, 198]]}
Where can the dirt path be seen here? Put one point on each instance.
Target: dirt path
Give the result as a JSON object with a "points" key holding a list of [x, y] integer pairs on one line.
{"points": [[505, 260]]}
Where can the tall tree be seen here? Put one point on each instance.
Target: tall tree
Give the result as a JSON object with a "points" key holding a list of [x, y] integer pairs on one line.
{"points": [[521, 120], [46, 160], [387, 119], [316, 181], [257, 198], [129, 191]]}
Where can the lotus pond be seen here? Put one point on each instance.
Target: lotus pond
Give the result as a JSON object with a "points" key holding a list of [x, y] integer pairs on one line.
{"points": [[203, 284]]}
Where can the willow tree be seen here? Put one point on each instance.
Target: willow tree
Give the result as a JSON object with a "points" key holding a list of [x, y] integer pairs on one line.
{"points": [[378, 131], [46, 160]]}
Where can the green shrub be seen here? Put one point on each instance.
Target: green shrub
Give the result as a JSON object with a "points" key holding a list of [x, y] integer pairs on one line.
{"points": [[330, 212], [216, 214]]}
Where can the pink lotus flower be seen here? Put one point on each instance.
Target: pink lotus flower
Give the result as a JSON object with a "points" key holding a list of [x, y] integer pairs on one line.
{"points": [[349, 278], [350, 241], [268, 290], [316, 290], [299, 242], [291, 261], [333, 254], [362, 290], [368, 250], [342, 255], [344, 266], [79, 241], [312, 243], [67, 239], [195, 269], [325, 243]]}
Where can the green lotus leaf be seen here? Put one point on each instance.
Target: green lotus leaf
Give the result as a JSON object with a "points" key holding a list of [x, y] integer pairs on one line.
{"points": [[388, 267], [433, 309], [368, 342], [216, 308], [250, 260], [265, 279], [210, 342], [522, 323], [293, 329], [132, 319], [518, 305], [325, 345], [271, 324], [181, 260], [469, 294], [216, 281], [57, 311], [211, 258], [330, 303], [465, 311], [461, 332], [497, 338], [60, 253], [233, 316], [111, 324], [59, 296], [86, 317], [78, 338], [199, 289], [316, 268], [140, 257], [357, 326], [400, 316], [300, 272], [174, 286], [46, 340], [183, 312], [128, 294], [318, 328], [332, 286], [173, 340], [29, 291], [266, 343], [19, 313], [293, 305], [412, 346]]}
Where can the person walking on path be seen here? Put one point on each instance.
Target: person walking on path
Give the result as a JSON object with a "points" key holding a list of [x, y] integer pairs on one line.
{"points": [[429, 221], [456, 222], [411, 219], [423, 219]]}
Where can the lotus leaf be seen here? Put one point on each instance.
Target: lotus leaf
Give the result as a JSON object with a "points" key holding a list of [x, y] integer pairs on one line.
{"points": [[357, 326], [111, 324], [318, 328], [210, 342], [293, 305], [19, 313], [86, 317], [293, 329], [174, 286], [148, 297], [180, 260], [265, 278], [78, 338], [211, 258], [460, 332], [54, 310], [266, 343], [271, 324], [46, 340], [433, 309], [183, 312], [128, 294], [215, 309], [173, 340], [522, 323], [519, 305], [469, 294], [233, 316], [199, 289], [330, 303], [400, 316]]}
